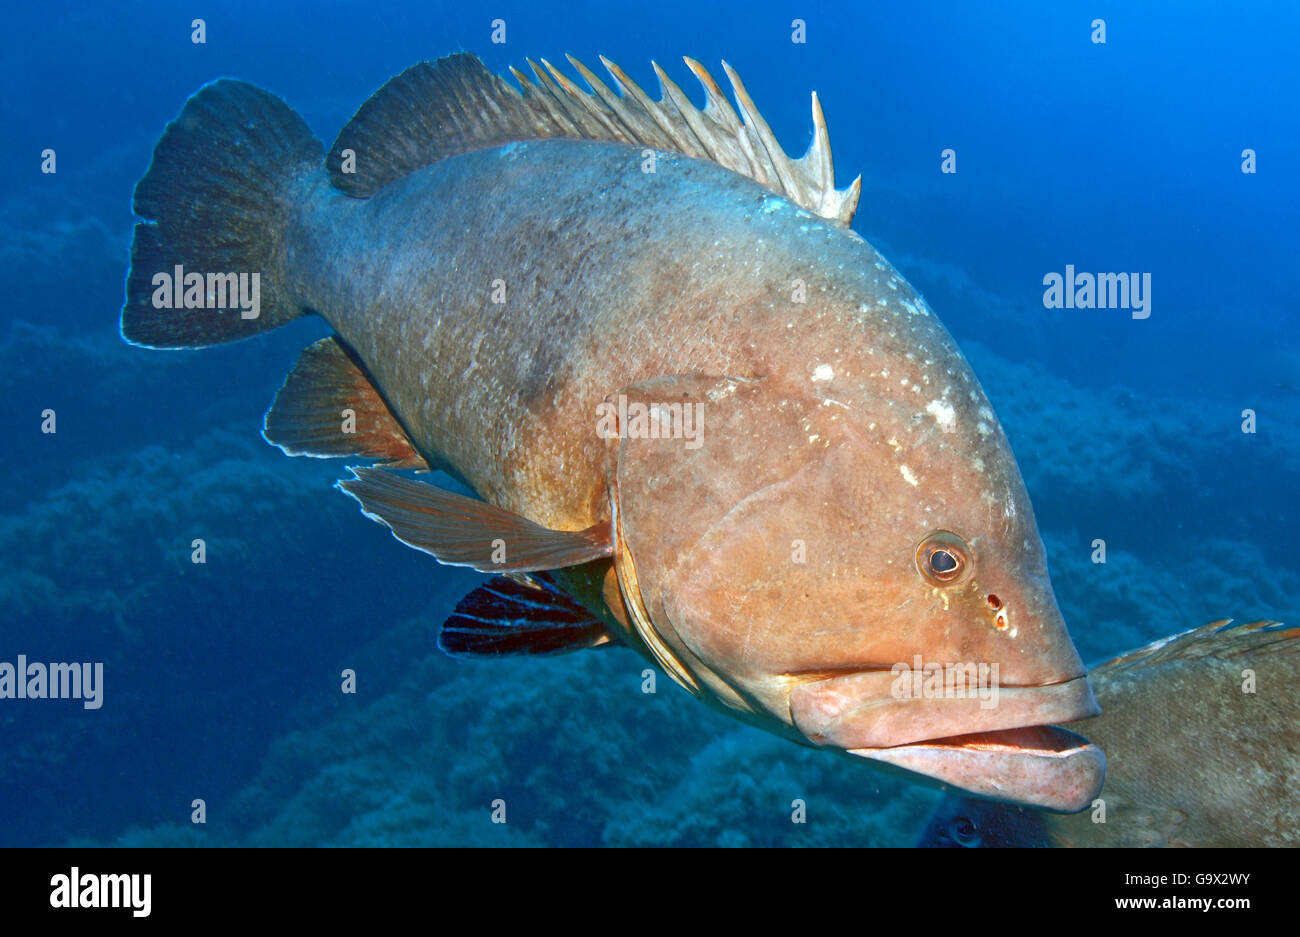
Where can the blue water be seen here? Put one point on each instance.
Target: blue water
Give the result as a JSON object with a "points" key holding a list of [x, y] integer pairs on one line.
{"points": [[222, 680]]}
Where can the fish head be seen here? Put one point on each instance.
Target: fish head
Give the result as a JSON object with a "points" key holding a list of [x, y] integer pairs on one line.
{"points": [[852, 584]]}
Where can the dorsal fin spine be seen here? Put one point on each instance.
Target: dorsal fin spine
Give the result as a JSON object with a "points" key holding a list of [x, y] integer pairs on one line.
{"points": [[819, 150], [671, 95], [608, 97], [776, 157], [434, 110], [630, 89]]}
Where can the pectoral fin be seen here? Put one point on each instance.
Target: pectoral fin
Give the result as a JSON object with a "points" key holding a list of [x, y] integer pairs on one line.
{"points": [[528, 615], [461, 531]]}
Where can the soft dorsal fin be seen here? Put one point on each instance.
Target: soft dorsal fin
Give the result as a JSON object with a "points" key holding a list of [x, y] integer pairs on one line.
{"points": [[523, 615], [308, 415], [434, 110], [1219, 639], [461, 531]]}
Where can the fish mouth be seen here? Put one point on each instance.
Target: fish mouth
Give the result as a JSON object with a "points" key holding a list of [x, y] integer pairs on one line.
{"points": [[1042, 766], [1001, 744]]}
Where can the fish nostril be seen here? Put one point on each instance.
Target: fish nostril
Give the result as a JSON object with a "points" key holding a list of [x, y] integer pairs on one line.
{"points": [[994, 602]]}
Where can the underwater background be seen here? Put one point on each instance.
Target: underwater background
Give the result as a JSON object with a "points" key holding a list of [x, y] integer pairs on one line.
{"points": [[222, 680]]}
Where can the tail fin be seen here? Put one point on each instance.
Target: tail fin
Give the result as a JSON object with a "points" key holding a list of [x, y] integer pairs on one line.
{"points": [[215, 202]]}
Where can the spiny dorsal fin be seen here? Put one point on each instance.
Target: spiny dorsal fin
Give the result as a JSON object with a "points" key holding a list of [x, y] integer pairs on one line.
{"points": [[329, 408], [434, 110], [1220, 639]]}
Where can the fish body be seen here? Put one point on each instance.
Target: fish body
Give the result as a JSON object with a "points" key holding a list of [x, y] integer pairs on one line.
{"points": [[606, 283], [700, 411], [1202, 736]]}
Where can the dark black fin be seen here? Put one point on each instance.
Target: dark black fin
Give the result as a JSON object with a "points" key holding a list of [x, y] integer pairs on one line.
{"points": [[308, 416], [529, 615], [434, 110], [1219, 639], [215, 201], [460, 531]]}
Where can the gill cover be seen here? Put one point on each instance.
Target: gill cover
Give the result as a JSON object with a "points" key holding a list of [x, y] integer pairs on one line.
{"points": [[714, 530]]}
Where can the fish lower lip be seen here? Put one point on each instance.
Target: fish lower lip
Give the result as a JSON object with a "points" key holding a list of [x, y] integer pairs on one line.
{"points": [[1043, 766]]}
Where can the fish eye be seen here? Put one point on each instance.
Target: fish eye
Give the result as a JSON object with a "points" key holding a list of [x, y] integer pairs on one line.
{"points": [[941, 561], [943, 557], [964, 832]]}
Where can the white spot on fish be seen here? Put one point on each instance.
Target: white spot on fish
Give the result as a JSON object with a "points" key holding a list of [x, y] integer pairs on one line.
{"points": [[984, 428], [907, 475], [943, 414], [823, 372]]}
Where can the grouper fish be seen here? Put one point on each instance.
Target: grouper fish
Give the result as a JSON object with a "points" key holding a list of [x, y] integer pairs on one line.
{"points": [[1202, 737], [702, 416]]}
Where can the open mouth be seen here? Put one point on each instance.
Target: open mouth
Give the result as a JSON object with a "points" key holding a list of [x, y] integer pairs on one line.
{"points": [[1044, 766], [1004, 746], [1043, 741]]}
